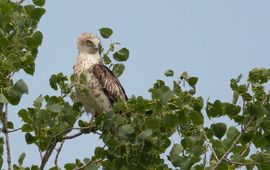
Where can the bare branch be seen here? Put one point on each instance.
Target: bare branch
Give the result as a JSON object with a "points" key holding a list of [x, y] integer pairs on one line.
{"points": [[54, 141], [48, 153], [58, 153], [73, 136], [5, 131], [14, 130], [247, 146]]}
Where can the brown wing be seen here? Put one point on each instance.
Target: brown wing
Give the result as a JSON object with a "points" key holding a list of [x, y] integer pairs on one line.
{"points": [[110, 84]]}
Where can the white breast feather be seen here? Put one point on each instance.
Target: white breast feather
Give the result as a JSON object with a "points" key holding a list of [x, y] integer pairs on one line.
{"points": [[93, 98]]}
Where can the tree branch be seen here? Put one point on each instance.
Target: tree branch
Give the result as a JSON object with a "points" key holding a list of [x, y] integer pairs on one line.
{"points": [[48, 153], [224, 156], [208, 142], [57, 154], [40, 154], [14, 130], [5, 131], [53, 143], [89, 163], [240, 163], [73, 136]]}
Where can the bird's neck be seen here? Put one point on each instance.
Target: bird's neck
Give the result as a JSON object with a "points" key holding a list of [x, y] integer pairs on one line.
{"points": [[90, 58]]}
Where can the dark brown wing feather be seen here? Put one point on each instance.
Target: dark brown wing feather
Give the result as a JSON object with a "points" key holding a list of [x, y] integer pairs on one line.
{"points": [[111, 85]]}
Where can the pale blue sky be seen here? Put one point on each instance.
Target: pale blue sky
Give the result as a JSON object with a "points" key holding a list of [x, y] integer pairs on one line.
{"points": [[212, 39]]}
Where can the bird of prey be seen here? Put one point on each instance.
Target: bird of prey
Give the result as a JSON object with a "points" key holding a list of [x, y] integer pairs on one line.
{"points": [[97, 88]]}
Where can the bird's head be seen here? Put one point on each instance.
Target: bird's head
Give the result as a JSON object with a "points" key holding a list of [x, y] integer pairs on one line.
{"points": [[88, 42]]}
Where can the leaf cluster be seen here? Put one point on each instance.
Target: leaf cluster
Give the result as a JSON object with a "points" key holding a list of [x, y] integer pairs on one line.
{"points": [[119, 56]]}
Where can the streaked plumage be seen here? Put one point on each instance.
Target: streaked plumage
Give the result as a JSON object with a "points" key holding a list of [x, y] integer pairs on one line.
{"points": [[96, 86]]}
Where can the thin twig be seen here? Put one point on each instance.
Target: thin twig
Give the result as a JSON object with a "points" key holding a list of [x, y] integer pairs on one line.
{"points": [[70, 129], [73, 136], [76, 135], [53, 143], [57, 154], [224, 156], [5, 131], [14, 130], [240, 163], [208, 142], [40, 154], [89, 163], [245, 150]]}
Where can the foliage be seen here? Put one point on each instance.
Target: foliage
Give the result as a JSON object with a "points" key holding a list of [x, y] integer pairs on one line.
{"points": [[137, 132]]}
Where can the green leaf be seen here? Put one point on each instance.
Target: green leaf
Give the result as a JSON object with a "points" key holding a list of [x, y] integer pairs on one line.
{"points": [[214, 109], [39, 2], [21, 87], [37, 37], [176, 88], [15, 93], [42, 117], [29, 138], [118, 69], [92, 166], [188, 142], [184, 75], [34, 167], [219, 129], [70, 166], [107, 59], [106, 32], [192, 81], [121, 55], [86, 160], [235, 97], [27, 128], [169, 73], [232, 133], [10, 125], [37, 13], [29, 69], [230, 109], [38, 102], [3, 98], [21, 158], [24, 114], [153, 123], [266, 125], [197, 118], [176, 149], [127, 129], [144, 135], [100, 152], [259, 140], [166, 97], [56, 108], [170, 120]]}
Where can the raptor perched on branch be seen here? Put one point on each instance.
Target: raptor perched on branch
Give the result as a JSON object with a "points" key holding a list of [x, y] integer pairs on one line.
{"points": [[96, 85]]}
